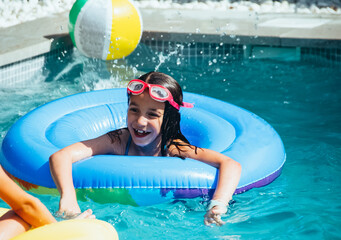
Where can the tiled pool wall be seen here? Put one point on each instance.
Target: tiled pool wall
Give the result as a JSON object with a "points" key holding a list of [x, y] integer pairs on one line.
{"points": [[20, 74], [196, 53]]}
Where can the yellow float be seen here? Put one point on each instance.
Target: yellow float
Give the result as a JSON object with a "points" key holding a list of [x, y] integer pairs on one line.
{"points": [[80, 229], [3, 211]]}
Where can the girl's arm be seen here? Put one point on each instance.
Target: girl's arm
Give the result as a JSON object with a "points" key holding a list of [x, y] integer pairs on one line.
{"points": [[27, 211], [228, 178], [28, 208], [12, 225], [61, 169]]}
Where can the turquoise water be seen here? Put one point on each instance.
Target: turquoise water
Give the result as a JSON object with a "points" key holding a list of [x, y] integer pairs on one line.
{"points": [[300, 99]]}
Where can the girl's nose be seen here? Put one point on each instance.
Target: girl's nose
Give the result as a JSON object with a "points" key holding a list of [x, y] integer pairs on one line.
{"points": [[141, 120]]}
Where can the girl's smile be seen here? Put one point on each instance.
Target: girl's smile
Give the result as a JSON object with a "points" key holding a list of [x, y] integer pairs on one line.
{"points": [[145, 116], [140, 133]]}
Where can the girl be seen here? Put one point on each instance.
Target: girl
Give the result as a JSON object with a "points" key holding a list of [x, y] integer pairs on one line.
{"points": [[26, 210], [153, 129]]}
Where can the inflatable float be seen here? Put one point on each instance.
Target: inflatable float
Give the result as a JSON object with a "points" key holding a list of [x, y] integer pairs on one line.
{"points": [[212, 124], [80, 229]]}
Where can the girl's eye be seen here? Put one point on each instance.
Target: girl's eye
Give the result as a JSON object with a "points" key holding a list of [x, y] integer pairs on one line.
{"points": [[134, 110], [154, 115]]}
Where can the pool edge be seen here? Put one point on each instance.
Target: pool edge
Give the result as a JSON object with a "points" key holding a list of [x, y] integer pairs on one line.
{"points": [[40, 36]]}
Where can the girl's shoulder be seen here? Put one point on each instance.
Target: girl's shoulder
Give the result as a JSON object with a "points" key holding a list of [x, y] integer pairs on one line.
{"points": [[119, 139], [118, 134], [182, 149]]}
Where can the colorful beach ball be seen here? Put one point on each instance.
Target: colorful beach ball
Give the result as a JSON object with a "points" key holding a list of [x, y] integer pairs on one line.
{"points": [[105, 29]]}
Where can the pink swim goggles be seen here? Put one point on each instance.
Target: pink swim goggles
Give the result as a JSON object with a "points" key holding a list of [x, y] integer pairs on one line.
{"points": [[157, 92]]}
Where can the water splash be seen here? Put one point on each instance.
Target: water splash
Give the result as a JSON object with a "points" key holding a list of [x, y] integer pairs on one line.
{"points": [[97, 74], [162, 58]]}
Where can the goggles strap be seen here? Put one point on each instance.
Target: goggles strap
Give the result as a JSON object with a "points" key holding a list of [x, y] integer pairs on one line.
{"points": [[187, 105]]}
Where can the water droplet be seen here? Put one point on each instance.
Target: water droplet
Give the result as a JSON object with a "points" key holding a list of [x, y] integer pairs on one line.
{"points": [[178, 61]]}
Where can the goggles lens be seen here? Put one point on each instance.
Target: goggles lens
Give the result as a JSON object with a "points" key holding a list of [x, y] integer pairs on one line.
{"points": [[157, 92], [135, 86]]}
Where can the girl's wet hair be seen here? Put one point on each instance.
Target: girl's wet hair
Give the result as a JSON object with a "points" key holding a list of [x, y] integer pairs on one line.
{"points": [[170, 128]]}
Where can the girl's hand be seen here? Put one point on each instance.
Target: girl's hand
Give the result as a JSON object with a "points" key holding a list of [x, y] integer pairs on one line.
{"points": [[214, 212], [68, 208], [86, 214]]}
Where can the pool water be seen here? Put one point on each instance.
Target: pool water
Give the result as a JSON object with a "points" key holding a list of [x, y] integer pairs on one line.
{"points": [[300, 99]]}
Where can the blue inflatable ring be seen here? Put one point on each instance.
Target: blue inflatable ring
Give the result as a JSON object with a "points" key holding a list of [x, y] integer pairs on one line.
{"points": [[211, 124]]}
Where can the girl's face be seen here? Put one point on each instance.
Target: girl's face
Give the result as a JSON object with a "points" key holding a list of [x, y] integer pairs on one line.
{"points": [[145, 116]]}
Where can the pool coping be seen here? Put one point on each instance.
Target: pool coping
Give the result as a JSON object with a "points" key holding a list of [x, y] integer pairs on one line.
{"points": [[43, 35]]}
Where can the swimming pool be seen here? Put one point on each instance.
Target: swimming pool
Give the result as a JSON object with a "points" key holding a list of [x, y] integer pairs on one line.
{"points": [[300, 96]]}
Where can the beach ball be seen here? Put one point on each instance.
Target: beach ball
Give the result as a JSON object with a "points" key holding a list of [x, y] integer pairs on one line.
{"points": [[105, 29]]}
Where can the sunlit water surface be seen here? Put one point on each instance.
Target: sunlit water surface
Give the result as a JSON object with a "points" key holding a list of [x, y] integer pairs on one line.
{"points": [[300, 99]]}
